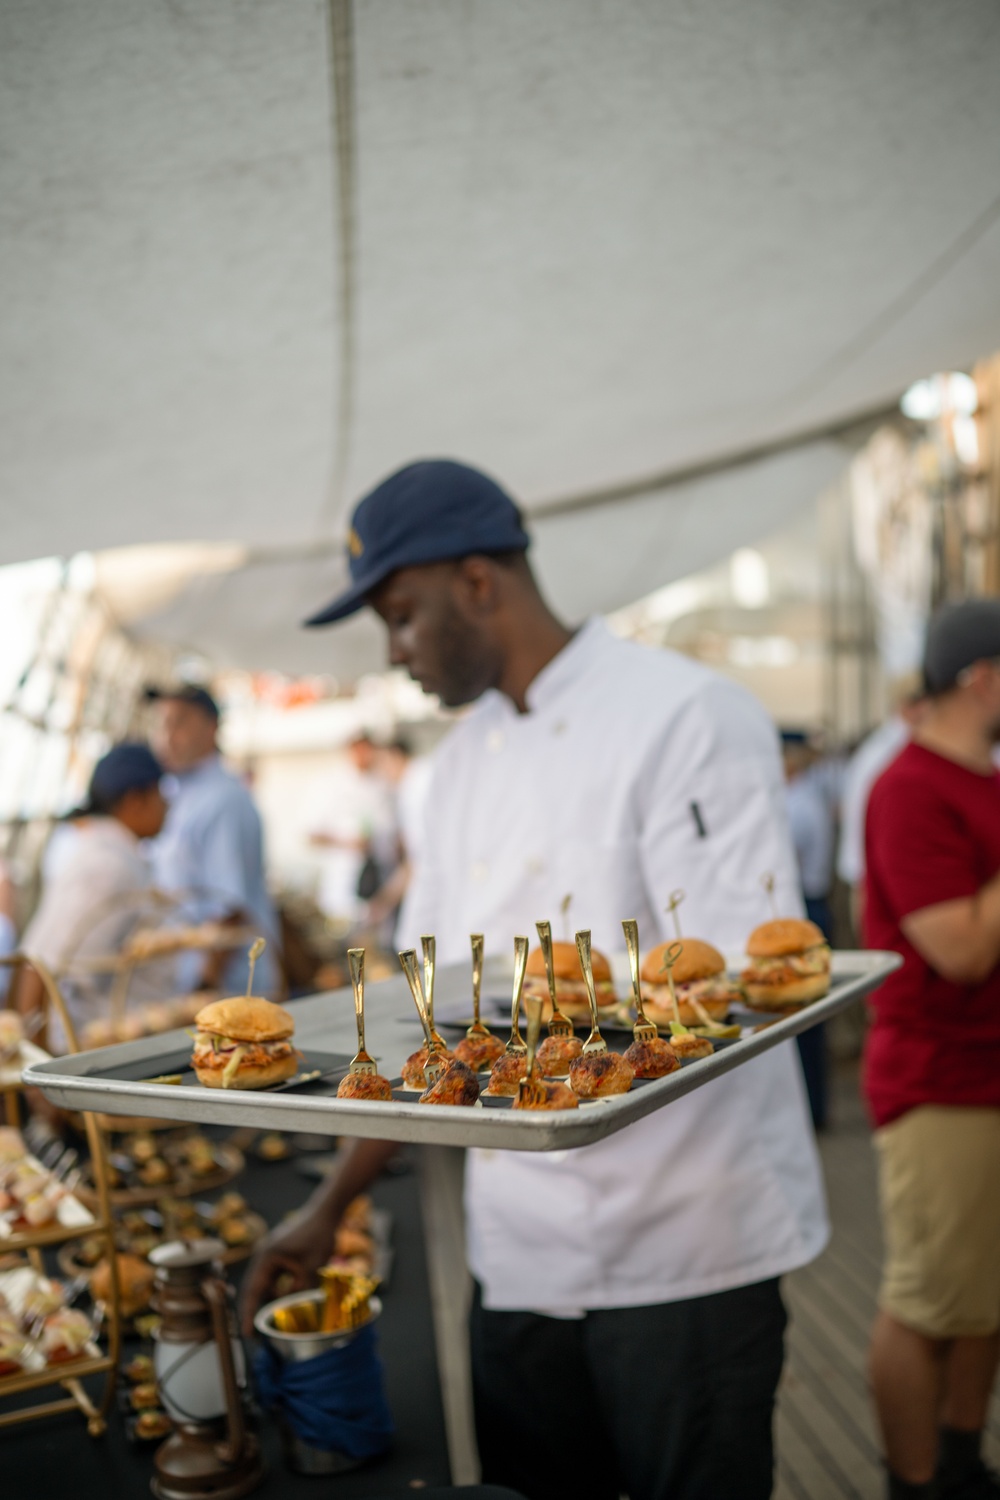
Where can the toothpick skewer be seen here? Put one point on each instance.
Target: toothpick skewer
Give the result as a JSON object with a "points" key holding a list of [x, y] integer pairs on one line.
{"points": [[676, 897], [564, 906], [256, 949], [671, 956], [767, 881]]}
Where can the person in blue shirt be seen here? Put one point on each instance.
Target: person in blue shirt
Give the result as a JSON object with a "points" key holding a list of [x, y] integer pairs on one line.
{"points": [[212, 847]]}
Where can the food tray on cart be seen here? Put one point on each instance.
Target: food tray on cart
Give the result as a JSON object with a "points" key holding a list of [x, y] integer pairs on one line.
{"points": [[111, 1078]]}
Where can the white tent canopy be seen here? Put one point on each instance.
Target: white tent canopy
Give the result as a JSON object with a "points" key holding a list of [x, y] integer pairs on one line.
{"points": [[254, 257]]}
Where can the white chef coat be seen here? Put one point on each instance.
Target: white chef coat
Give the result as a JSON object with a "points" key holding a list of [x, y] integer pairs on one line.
{"points": [[634, 772]]}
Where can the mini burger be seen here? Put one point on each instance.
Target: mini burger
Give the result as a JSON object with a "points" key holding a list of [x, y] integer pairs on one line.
{"points": [[243, 1043], [571, 990], [789, 965], [699, 974]]}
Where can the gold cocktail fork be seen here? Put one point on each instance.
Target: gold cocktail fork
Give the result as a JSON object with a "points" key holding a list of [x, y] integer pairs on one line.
{"points": [[478, 1027], [559, 1024], [644, 1030], [360, 1062], [595, 1042], [429, 946], [434, 1067], [515, 1042], [531, 1091]]}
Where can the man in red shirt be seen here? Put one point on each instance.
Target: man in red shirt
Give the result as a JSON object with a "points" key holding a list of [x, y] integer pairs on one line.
{"points": [[932, 1068]]}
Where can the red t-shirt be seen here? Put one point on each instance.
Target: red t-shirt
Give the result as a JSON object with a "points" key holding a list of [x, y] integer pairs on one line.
{"points": [[932, 834]]}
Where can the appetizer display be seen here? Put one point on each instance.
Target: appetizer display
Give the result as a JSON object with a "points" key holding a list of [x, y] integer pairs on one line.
{"points": [[703, 989], [147, 1020], [456, 1085], [534, 1091], [562, 1046], [363, 1080], [789, 965], [511, 1067], [649, 1055], [479, 1048], [135, 1283], [30, 1195], [597, 1072], [448, 1080], [11, 1036], [571, 986], [65, 1335], [244, 1043]]}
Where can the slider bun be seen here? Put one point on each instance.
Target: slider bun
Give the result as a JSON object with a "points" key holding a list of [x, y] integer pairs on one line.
{"points": [[566, 963], [249, 1075], [784, 935], [696, 960], [246, 1020], [135, 1282], [661, 1012], [785, 996]]}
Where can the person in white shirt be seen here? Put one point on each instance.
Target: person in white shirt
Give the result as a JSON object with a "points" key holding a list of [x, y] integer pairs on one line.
{"points": [[627, 1332], [89, 902]]}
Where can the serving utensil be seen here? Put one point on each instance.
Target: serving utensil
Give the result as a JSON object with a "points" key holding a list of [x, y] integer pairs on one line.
{"points": [[531, 1091], [515, 1042], [595, 1042], [429, 946], [478, 1027], [644, 1029], [434, 1067], [256, 949], [360, 1062], [671, 956], [559, 1024]]}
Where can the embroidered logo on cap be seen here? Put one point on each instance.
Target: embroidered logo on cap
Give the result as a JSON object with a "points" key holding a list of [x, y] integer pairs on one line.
{"points": [[355, 545]]}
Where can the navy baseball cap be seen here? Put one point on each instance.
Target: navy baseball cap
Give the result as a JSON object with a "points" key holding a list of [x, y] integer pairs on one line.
{"points": [[188, 692], [429, 512], [128, 767]]}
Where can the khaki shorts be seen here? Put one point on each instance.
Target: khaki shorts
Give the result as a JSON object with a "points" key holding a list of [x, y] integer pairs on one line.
{"points": [[939, 1183]]}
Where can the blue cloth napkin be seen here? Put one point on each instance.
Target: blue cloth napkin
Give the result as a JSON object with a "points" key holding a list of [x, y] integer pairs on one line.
{"points": [[335, 1402]]}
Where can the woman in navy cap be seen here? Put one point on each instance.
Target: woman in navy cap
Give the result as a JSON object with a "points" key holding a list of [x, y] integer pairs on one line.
{"points": [[84, 909]]}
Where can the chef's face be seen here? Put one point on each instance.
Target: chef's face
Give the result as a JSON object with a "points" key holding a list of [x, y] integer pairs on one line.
{"points": [[183, 734], [438, 617]]}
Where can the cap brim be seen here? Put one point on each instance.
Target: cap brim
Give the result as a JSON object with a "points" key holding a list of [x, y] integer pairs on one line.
{"points": [[344, 605]]}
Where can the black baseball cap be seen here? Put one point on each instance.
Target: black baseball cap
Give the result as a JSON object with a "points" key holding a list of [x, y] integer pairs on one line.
{"points": [[187, 692], [129, 767], [958, 636], [429, 512]]}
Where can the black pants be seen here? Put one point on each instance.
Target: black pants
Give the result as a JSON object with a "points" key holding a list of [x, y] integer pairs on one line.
{"points": [[668, 1402]]}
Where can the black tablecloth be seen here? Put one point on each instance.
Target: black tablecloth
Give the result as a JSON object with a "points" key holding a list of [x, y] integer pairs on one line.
{"points": [[55, 1458]]}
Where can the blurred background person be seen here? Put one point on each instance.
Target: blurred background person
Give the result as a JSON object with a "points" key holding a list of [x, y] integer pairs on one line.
{"points": [[358, 836], [211, 850], [8, 925], [878, 750], [810, 820], [932, 1067], [86, 908]]}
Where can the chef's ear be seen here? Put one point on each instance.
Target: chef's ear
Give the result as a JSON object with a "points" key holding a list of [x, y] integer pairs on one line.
{"points": [[480, 583]]}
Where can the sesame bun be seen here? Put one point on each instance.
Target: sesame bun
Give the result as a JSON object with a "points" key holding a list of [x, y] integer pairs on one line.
{"points": [[566, 963], [246, 1020], [249, 1074], [784, 935], [696, 960]]}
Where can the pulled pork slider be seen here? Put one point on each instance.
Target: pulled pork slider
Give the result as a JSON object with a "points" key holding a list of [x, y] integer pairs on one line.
{"points": [[699, 973], [789, 965], [243, 1043], [571, 991]]}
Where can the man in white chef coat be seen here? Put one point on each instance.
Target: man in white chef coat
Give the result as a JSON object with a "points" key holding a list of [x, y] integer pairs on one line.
{"points": [[627, 1331]]}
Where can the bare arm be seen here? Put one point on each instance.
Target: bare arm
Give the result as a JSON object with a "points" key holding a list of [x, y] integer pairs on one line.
{"points": [[305, 1242], [959, 939]]}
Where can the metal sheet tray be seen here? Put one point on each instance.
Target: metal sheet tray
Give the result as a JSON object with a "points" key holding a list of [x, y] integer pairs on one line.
{"points": [[94, 1080]]}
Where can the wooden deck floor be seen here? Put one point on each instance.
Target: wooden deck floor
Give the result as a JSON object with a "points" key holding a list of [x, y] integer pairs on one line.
{"points": [[826, 1441]]}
